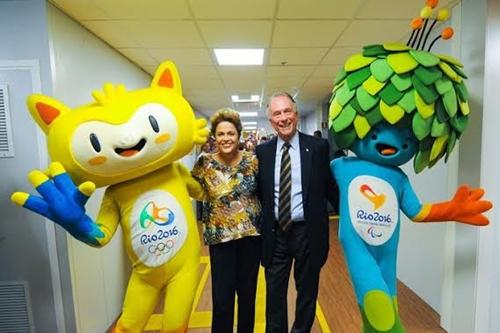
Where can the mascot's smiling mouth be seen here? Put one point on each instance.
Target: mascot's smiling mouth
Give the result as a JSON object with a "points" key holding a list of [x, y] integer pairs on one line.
{"points": [[131, 151], [386, 150]]}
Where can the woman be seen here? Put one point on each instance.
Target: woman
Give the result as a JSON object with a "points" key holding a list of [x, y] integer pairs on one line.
{"points": [[230, 215]]}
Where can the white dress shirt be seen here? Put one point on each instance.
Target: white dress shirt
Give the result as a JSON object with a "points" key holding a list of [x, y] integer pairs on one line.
{"points": [[296, 192]]}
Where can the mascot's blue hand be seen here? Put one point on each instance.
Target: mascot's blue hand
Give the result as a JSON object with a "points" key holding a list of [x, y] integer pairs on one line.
{"points": [[61, 202]]}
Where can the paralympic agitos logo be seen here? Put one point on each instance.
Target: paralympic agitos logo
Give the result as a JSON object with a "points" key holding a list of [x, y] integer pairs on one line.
{"points": [[152, 214]]}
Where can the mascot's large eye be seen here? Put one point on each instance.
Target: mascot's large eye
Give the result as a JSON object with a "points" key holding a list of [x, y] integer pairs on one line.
{"points": [[154, 124], [374, 137], [95, 142]]}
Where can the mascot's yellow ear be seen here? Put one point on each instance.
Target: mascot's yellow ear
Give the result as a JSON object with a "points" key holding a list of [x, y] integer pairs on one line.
{"points": [[45, 110], [167, 76]]}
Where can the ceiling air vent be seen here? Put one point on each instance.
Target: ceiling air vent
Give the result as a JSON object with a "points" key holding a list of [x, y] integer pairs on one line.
{"points": [[15, 312], [6, 144]]}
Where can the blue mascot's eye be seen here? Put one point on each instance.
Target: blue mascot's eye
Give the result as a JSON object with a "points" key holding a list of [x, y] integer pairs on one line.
{"points": [[405, 146], [95, 142], [374, 137], [154, 124]]}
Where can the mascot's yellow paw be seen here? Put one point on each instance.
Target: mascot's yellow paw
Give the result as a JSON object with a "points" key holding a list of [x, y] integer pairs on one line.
{"points": [[201, 131], [19, 198], [379, 310], [87, 188], [36, 178], [56, 168]]}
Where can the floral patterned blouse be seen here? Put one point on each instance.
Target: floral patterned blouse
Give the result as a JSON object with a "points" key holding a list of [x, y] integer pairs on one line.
{"points": [[231, 208]]}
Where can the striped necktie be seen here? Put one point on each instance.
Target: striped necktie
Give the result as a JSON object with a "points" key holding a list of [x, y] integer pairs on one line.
{"points": [[285, 197]]}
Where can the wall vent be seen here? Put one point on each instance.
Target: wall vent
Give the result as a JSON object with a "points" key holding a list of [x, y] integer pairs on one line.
{"points": [[6, 144], [15, 312]]}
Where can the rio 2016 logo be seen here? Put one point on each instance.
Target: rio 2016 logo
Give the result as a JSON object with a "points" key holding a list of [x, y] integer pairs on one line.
{"points": [[151, 213], [373, 209], [377, 200]]}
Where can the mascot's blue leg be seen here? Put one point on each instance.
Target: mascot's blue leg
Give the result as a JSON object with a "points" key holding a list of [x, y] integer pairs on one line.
{"points": [[376, 298]]}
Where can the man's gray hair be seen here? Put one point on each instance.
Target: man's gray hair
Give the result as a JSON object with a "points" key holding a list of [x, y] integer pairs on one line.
{"points": [[282, 94]]}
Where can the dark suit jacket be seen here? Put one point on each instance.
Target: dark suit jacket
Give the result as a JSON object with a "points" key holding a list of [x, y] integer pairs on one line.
{"points": [[318, 186]]}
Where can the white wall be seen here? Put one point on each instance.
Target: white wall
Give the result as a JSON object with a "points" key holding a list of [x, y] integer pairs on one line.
{"points": [[488, 290], [81, 63], [459, 299], [421, 246], [27, 249], [445, 255]]}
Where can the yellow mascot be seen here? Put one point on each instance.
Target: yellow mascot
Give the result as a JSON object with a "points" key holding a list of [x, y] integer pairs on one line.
{"points": [[129, 140]]}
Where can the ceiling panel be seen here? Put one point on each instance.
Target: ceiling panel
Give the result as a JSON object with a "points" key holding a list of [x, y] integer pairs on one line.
{"points": [[288, 81], [326, 71], [391, 9], [242, 79], [206, 93], [231, 9], [307, 33], [139, 56], [315, 82], [236, 34], [318, 9], [291, 89], [115, 33], [311, 38], [241, 72], [165, 34], [365, 32], [296, 56], [148, 9], [190, 83], [284, 71], [81, 9], [195, 57], [338, 55], [235, 86], [197, 72]]}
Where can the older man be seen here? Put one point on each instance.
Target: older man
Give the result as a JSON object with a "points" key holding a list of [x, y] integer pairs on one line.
{"points": [[294, 183]]}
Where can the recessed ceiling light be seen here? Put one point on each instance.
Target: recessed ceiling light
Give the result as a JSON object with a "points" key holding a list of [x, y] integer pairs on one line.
{"points": [[251, 123], [234, 57], [248, 114], [238, 99], [250, 128]]}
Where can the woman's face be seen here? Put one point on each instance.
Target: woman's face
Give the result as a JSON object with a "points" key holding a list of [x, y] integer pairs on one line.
{"points": [[226, 137]]}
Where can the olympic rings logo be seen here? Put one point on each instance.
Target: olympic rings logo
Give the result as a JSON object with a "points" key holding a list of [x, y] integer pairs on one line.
{"points": [[161, 248]]}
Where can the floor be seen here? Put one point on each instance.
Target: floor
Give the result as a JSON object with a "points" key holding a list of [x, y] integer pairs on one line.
{"points": [[337, 308]]}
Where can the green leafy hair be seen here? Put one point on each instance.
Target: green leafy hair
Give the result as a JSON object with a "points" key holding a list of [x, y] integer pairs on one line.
{"points": [[396, 83], [404, 85]]}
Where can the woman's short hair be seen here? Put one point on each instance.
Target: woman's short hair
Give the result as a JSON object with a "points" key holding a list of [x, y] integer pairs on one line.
{"points": [[226, 114]]}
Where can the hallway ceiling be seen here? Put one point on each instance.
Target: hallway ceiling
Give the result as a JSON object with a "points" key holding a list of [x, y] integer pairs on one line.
{"points": [[305, 41]]}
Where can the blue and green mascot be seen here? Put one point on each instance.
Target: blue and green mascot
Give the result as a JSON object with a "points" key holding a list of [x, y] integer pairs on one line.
{"points": [[390, 104]]}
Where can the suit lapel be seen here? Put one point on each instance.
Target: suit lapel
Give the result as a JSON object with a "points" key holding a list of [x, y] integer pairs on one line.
{"points": [[306, 164], [269, 165]]}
